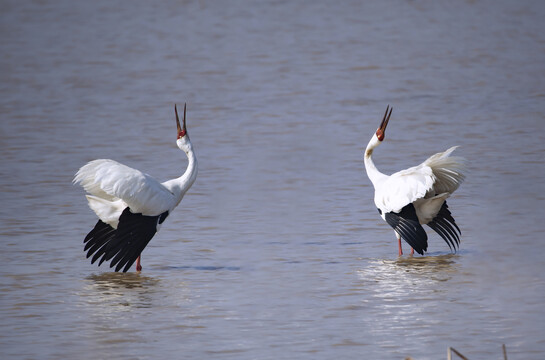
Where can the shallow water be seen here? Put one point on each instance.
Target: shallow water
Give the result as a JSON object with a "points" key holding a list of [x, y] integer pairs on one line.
{"points": [[277, 251]]}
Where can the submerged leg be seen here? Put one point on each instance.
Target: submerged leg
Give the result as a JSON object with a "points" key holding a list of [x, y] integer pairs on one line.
{"points": [[138, 266]]}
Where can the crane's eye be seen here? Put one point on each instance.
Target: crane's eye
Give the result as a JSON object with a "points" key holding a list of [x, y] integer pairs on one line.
{"points": [[181, 134], [380, 135]]}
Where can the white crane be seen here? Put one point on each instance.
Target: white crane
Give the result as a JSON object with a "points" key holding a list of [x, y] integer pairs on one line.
{"points": [[410, 198], [131, 205]]}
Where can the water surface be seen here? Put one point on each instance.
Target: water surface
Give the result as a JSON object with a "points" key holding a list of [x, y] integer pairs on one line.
{"points": [[277, 251]]}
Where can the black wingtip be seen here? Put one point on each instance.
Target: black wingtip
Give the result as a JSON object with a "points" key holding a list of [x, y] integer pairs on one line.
{"points": [[406, 224], [445, 225], [123, 245]]}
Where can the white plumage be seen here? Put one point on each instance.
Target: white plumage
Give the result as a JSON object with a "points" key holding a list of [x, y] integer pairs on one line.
{"points": [[424, 187], [437, 175], [114, 186], [130, 205]]}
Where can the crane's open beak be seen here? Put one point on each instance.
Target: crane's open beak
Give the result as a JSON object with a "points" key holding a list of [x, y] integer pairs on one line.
{"points": [[385, 119], [182, 131]]}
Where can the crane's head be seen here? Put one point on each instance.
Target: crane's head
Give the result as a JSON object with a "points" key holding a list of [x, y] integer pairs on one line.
{"points": [[183, 141], [182, 131], [382, 128]]}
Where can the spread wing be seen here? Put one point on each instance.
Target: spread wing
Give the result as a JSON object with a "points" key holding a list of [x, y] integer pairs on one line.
{"points": [[440, 173], [110, 180], [443, 224], [122, 245], [448, 171], [406, 224]]}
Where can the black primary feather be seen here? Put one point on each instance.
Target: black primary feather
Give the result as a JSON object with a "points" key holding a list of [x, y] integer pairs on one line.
{"points": [[443, 224], [406, 224], [122, 245]]}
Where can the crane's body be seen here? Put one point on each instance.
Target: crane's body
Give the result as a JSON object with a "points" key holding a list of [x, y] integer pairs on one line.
{"points": [[130, 205], [410, 198]]}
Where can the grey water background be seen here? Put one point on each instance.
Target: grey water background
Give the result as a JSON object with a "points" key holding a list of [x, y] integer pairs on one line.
{"points": [[277, 251]]}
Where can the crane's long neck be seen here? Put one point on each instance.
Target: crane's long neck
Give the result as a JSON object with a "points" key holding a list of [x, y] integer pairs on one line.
{"points": [[179, 186], [372, 172], [190, 174]]}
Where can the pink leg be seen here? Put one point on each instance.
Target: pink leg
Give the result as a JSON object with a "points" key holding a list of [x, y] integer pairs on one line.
{"points": [[138, 266], [412, 251], [399, 244]]}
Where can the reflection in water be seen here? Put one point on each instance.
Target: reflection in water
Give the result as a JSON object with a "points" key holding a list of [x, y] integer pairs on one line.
{"points": [[398, 286], [410, 271], [125, 289], [121, 307], [114, 280], [406, 293], [437, 268], [115, 306]]}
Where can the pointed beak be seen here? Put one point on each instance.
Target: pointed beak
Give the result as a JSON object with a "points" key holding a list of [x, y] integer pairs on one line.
{"points": [[385, 119], [181, 129]]}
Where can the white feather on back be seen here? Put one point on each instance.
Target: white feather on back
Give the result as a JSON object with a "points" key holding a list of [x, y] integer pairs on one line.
{"points": [[110, 180], [437, 175], [404, 187]]}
